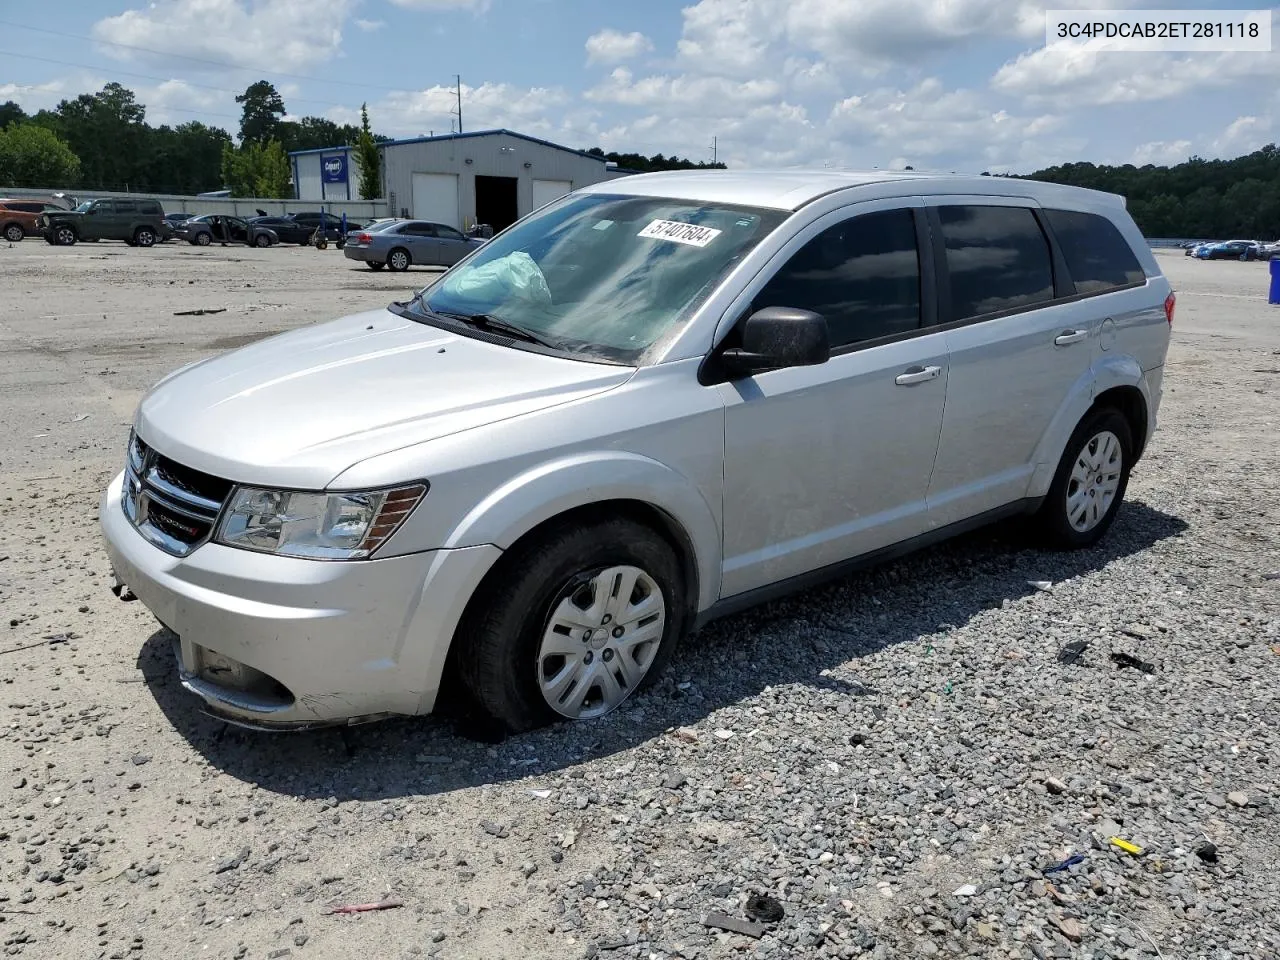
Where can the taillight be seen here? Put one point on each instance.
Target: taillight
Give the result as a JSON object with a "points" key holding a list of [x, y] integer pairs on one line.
{"points": [[368, 238], [1169, 302]]}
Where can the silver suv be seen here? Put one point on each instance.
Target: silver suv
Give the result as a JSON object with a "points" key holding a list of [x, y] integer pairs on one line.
{"points": [[652, 402]]}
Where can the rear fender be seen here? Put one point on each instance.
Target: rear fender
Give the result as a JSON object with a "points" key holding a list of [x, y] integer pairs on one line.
{"points": [[1105, 374]]}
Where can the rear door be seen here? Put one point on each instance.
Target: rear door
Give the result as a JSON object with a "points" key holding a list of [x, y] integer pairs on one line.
{"points": [[1017, 349], [124, 220]]}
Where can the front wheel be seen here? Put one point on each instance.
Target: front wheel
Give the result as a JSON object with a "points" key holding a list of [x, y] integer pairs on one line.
{"points": [[262, 240], [572, 624], [398, 259], [1090, 482], [65, 236], [202, 239], [14, 233]]}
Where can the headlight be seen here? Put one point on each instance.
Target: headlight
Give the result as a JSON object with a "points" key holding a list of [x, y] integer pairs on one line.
{"points": [[318, 526]]}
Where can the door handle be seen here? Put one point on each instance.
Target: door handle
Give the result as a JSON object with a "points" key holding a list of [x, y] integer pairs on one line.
{"points": [[916, 375], [1069, 336]]}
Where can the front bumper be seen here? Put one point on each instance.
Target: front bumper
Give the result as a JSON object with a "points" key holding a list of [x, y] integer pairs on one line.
{"points": [[284, 643]]}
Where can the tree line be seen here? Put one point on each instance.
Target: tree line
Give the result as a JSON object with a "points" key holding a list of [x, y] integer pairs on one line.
{"points": [[1197, 199]]}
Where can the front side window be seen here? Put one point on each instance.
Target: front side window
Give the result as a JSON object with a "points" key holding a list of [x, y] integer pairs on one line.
{"points": [[447, 233], [862, 275], [604, 277], [1098, 257], [998, 259]]}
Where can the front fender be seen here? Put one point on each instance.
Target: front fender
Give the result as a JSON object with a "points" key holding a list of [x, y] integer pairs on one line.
{"points": [[555, 487], [1105, 374]]}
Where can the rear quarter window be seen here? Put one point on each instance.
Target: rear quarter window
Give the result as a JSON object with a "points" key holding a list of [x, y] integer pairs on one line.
{"points": [[1098, 256], [150, 207]]}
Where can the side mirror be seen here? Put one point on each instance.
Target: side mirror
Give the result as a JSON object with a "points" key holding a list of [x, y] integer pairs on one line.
{"points": [[778, 337]]}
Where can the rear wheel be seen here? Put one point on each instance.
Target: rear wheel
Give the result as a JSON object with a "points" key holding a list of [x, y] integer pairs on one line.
{"points": [[144, 237], [374, 265], [13, 232], [65, 236], [568, 626], [1090, 482], [399, 259]]}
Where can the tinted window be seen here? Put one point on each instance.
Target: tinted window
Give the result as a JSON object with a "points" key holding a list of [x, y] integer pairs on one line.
{"points": [[448, 233], [126, 206], [417, 230], [1097, 255], [102, 206], [148, 207], [27, 207], [998, 259], [863, 275]]}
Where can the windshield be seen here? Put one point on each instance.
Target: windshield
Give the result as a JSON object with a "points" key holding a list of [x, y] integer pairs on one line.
{"points": [[605, 276]]}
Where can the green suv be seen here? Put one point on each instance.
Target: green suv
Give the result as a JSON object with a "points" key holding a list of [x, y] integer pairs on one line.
{"points": [[139, 223]]}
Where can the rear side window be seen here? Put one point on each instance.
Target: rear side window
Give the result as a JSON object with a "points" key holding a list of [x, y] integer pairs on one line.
{"points": [[1097, 254], [149, 207], [417, 230], [863, 275], [126, 206], [998, 259]]}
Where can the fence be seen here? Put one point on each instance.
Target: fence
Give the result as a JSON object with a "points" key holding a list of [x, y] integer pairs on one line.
{"points": [[232, 206]]}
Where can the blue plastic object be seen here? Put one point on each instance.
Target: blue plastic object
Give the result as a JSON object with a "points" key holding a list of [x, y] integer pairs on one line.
{"points": [[1274, 296]]}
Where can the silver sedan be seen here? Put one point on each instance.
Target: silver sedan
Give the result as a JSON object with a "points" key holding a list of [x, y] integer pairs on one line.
{"points": [[400, 244]]}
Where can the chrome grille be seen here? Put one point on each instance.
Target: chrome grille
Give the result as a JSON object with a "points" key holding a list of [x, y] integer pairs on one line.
{"points": [[173, 506]]}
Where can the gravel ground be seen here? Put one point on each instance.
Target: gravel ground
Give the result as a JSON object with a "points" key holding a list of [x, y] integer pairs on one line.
{"points": [[897, 759]]}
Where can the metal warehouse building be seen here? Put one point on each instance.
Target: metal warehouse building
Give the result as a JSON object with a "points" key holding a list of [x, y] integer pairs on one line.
{"points": [[460, 179]]}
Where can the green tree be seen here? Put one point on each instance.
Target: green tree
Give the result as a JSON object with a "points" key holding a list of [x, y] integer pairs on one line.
{"points": [[10, 113], [107, 130], [262, 111], [32, 156], [256, 170], [312, 133], [370, 158]]}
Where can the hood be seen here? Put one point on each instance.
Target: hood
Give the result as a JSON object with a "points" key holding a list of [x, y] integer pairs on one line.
{"points": [[298, 409]]}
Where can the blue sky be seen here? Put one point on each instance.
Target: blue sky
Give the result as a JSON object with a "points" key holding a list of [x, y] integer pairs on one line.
{"points": [[961, 84]]}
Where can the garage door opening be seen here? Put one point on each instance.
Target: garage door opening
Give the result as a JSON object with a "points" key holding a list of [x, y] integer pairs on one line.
{"points": [[496, 201]]}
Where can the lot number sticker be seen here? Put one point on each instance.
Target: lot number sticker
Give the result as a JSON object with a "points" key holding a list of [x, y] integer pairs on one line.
{"points": [[687, 233]]}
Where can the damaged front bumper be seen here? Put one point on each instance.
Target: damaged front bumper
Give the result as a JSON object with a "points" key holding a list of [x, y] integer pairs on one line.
{"points": [[282, 643]]}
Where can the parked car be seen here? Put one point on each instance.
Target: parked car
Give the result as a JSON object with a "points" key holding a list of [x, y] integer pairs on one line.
{"points": [[21, 218], [139, 223], [217, 228], [1269, 251], [650, 403], [398, 244], [1228, 250]]}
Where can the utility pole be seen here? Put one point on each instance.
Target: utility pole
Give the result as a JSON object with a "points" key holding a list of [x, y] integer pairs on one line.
{"points": [[714, 153], [459, 79]]}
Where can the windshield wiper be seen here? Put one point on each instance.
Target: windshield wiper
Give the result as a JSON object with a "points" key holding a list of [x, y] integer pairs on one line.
{"points": [[487, 321]]}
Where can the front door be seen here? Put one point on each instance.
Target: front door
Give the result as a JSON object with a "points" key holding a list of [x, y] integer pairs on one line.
{"points": [[96, 223], [828, 462], [1015, 352]]}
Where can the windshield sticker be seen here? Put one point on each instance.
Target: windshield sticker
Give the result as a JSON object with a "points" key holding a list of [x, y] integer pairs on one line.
{"points": [[686, 233], [603, 225]]}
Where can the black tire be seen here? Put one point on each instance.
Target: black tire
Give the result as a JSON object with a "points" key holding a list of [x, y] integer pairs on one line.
{"points": [[65, 236], [14, 233], [499, 637], [374, 265], [262, 240], [1054, 523], [399, 260], [144, 237], [202, 239]]}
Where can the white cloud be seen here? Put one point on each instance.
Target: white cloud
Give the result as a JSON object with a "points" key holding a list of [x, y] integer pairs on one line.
{"points": [[1070, 77], [613, 46], [33, 97], [1242, 135], [1162, 153], [288, 34], [477, 5], [531, 110], [370, 26], [684, 94]]}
